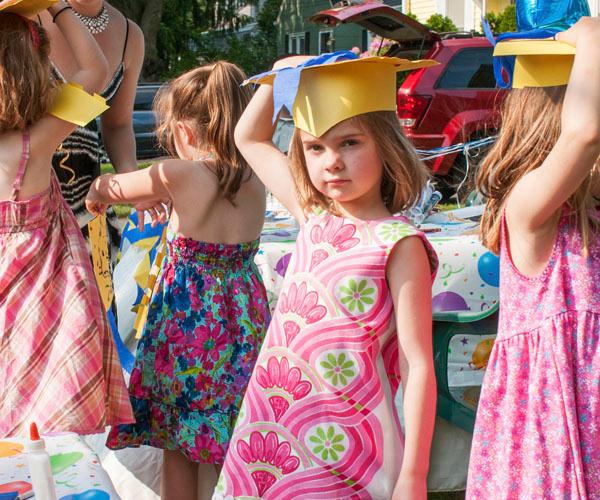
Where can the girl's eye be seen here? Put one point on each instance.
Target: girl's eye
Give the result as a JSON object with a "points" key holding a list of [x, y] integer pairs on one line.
{"points": [[350, 142], [314, 147]]}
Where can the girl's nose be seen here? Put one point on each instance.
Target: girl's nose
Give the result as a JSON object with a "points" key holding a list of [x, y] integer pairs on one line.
{"points": [[334, 161]]}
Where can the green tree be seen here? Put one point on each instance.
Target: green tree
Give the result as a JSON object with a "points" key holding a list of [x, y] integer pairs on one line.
{"points": [[440, 24], [503, 21]]}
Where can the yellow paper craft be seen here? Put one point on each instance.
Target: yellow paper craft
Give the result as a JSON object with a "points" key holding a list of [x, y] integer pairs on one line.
{"points": [[27, 8], [75, 105], [330, 93], [144, 305], [539, 63], [100, 259]]}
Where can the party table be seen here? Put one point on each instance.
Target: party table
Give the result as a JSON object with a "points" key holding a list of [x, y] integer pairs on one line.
{"points": [[77, 472]]}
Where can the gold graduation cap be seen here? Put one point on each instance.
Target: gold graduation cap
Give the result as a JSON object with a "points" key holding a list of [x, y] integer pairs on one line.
{"points": [[330, 93], [26, 8], [538, 63], [75, 105]]}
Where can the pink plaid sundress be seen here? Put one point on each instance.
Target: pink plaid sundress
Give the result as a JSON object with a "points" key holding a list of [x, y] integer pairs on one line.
{"points": [[58, 361], [538, 422]]}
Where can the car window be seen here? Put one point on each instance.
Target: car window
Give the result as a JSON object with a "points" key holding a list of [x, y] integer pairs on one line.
{"points": [[469, 69], [143, 98]]}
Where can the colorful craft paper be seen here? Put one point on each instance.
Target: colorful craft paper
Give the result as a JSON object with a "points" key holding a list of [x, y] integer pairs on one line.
{"points": [[27, 8], [75, 105]]}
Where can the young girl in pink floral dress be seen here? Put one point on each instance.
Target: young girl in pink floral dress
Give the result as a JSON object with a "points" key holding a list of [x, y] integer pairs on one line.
{"points": [[209, 311], [354, 316], [536, 434], [58, 362]]}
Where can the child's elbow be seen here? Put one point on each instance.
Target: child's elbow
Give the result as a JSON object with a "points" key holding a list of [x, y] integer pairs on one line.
{"points": [[94, 78], [240, 136]]}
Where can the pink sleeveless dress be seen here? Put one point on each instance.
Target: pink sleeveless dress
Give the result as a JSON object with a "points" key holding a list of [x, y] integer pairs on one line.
{"points": [[537, 433], [318, 419], [58, 363]]}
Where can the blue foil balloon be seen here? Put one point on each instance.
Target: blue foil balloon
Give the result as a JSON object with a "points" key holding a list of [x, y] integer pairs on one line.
{"points": [[550, 14], [537, 19]]}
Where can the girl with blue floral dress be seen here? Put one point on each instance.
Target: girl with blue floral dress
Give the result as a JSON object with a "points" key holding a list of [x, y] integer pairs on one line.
{"points": [[209, 310]]}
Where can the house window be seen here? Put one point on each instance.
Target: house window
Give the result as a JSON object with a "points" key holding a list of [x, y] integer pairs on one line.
{"points": [[297, 43], [326, 41]]}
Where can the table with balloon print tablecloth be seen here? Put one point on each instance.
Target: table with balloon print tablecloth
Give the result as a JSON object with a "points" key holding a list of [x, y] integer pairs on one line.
{"points": [[76, 469]]}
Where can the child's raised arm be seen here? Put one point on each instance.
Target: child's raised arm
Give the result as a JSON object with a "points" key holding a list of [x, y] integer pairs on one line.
{"points": [[92, 69], [410, 286], [253, 137], [533, 203]]}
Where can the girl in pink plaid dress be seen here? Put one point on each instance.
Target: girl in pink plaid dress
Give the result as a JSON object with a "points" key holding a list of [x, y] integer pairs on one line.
{"points": [[58, 363], [536, 434]]}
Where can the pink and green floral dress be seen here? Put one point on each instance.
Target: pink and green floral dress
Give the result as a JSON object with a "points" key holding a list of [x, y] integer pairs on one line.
{"points": [[318, 419], [206, 323]]}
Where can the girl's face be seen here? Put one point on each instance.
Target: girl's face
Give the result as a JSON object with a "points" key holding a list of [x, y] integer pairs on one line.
{"points": [[344, 164]]}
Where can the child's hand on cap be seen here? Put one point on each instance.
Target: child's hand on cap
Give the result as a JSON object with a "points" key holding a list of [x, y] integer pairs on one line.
{"points": [[290, 62], [585, 27]]}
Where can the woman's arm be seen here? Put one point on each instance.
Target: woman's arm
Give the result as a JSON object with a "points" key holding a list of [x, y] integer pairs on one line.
{"points": [[117, 122], [410, 286], [578, 146], [91, 71]]}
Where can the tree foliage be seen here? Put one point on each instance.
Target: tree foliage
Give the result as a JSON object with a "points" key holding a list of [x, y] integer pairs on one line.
{"points": [[440, 24], [503, 21]]}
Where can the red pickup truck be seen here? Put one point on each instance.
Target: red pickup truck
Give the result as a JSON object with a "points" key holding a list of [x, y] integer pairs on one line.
{"points": [[448, 104]]}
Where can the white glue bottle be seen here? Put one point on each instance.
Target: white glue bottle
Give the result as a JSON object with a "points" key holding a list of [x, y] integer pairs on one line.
{"points": [[39, 466]]}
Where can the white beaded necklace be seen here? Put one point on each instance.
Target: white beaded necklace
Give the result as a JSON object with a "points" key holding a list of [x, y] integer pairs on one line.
{"points": [[96, 24]]}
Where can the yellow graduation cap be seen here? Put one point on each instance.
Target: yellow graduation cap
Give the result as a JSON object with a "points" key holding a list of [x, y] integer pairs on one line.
{"points": [[331, 92], [26, 8], [538, 63], [75, 105]]}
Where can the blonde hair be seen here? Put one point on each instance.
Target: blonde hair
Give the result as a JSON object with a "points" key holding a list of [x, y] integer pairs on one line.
{"points": [[531, 120], [404, 175], [26, 86], [212, 99]]}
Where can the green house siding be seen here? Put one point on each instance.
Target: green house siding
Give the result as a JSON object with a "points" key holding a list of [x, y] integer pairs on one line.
{"points": [[293, 23]]}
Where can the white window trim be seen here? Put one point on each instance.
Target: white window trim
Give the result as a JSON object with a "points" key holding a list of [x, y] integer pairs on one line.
{"points": [[297, 36], [330, 31]]}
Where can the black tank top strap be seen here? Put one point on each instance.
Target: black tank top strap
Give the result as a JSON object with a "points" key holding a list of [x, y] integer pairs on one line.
{"points": [[126, 37], [16, 187]]}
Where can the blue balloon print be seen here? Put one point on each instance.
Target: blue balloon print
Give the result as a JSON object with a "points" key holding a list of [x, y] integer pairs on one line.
{"points": [[488, 267], [88, 495]]}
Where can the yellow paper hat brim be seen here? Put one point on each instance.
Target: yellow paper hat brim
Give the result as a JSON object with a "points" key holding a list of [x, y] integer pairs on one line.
{"points": [[26, 8], [331, 93], [538, 63], [75, 105]]}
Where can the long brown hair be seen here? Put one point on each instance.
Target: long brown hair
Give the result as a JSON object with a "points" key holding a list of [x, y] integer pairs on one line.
{"points": [[531, 120], [26, 87], [404, 175], [211, 98]]}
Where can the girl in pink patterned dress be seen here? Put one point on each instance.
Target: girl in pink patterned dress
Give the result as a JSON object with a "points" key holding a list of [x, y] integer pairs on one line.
{"points": [[318, 419], [536, 434], [58, 362]]}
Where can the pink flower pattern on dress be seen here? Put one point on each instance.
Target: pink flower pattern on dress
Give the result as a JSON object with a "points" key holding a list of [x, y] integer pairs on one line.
{"points": [[536, 434], [279, 374], [302, 303], [291, 397], [334, 232], [275, 457]]}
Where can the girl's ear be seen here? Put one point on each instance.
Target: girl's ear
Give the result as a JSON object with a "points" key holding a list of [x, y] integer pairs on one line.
{"points": [[185, 132]]}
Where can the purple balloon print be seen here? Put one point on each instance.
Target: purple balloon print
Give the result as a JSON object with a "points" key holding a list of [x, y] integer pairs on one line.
{"points": [[448, 301], [282, 264]]}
